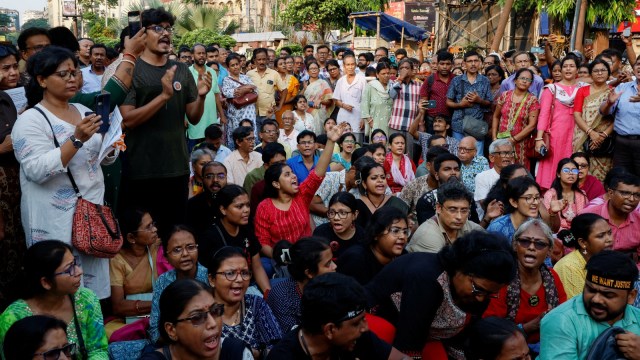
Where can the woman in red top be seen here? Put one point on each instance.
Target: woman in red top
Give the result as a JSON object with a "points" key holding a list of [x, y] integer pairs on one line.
{"points": [[284, 214], [536, 289], [399, 168]]}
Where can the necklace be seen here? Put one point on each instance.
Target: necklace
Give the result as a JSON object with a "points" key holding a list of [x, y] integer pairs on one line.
{"points": [[374, 205], [534, 300]]}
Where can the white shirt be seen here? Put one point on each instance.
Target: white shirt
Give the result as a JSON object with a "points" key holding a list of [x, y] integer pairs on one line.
{"points": [[91, 82], [305, 123], [484, 182], [237, 169], [350, 94], [291, 140]]}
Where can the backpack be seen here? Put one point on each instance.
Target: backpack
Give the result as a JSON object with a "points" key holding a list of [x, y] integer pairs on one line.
{"points": [[604, 347]]}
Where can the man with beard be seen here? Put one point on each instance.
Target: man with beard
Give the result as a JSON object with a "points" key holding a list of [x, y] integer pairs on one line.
{"points": [[569, 330], [155, 170], [435, 88], [363, 63], [212, 104], [333, 325], [450, 222], [92, 74], [202, 208]]}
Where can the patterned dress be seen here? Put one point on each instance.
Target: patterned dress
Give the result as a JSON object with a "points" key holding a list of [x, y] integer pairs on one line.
{"points": [[509, 122], [259, 328], [235, 115], [89, 315]]}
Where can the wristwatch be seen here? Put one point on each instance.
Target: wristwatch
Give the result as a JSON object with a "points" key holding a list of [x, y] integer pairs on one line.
{"points": [[76, 143]]}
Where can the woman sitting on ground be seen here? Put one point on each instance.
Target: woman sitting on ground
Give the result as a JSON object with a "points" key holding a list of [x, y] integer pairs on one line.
{"points": [[565, 188], [341, 230], [495, 338], [38, 336]]}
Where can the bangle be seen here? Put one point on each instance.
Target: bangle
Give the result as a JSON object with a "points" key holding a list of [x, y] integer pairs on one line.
{"points": [[130, 54], [605, 134], [538, 139], [129, 61], [589, 131], [137, 306]]}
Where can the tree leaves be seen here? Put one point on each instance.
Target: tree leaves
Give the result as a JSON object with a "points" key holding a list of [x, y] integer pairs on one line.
{"points": [[599, 11]]}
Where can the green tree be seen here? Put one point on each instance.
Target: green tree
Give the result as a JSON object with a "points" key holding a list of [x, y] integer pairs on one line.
{"points": [[204, 17], [205, 36], [5, 20], [42, 23]]}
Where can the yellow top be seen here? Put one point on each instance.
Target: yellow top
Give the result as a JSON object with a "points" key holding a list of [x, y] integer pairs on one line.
{"points": [[572, 273]]}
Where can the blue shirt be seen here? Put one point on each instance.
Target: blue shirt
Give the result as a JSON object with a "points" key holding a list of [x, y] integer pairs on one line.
{"points": [[626, 120], [298, 167], [568, 331], [458, 88], [510, 84], [469, 172], [222, 73], [503, 226]]}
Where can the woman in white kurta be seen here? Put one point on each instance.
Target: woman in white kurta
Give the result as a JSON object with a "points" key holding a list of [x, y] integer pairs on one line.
{"points": [[48, 199], [348, 95]]}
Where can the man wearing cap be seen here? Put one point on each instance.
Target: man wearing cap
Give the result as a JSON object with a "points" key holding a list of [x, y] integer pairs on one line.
{"points": [[569, 331]]}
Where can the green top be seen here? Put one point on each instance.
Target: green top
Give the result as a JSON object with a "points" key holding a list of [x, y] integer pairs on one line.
{"points": [[210, 114], [89, 319], [118, 94], [253, 177], [156, 148], [568, 331]]}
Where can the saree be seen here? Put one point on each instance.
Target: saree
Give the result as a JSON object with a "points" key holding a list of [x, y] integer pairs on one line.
{"points": [[293, 86], [317, 92], [598, 166]]}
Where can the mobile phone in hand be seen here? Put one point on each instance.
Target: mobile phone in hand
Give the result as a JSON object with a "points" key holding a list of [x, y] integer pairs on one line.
{"points": [[102, 107], [133, 18]]}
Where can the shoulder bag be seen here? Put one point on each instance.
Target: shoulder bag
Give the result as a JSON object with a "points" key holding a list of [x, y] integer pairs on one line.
{"points": [[478, 128], [244, 100], [512, 122], [95, 229]]}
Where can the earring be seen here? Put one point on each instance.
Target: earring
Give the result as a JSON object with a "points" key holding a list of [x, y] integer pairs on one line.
{"points": [[584, 251]]}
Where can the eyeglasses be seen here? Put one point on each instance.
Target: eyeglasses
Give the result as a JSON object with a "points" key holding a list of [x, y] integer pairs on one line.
{"points": [[396, 231], [149, 227], [538, 244], [465, 150], [570, 171], [531, 199], [67, 74], [71, 271], [199, 318], [341, 214], [232, 275], [478, 291], [220, 176], [68, 350], [505, 153], [303, 143], [583, 166], [380, 138], [453, 210], [525, 79], [628, 194], [179, 250], [37, 47], [250, 138], [599, 71], [159, 29]]}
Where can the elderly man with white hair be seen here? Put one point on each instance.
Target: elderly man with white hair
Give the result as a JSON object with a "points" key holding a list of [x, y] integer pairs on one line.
{"points": [[501, 155]]}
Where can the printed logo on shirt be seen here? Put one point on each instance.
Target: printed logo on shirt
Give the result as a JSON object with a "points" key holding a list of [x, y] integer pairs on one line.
{"points": [[177, 86]]}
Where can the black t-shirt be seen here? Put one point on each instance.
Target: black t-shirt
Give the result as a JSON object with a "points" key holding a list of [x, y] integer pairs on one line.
{"points": [[359, 262], [200, 215], [216, 237], [368, 346], [339, 246], [157, 148], [364, 214]]}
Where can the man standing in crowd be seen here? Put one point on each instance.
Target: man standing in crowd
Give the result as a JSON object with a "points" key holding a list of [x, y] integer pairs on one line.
{"points": [[435, 89], [469, 95], [569, 331], [162, 93], [450, 222], [212, 54], [307, 51], [623, 194], [273, 153], [268, 81], [472, 164], [363, 63], [381, 52], [624, 102], [222, 63], [522, 60], [212, 104], [322, 54], [405, 92], [243, 159], [84, 55], [92, 74], [30, 41], [185, 56]]}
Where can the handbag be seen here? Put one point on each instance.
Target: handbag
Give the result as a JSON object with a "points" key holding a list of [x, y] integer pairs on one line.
{"points": [[95, 229], [478, 128], [244, 100], [604, 150]]}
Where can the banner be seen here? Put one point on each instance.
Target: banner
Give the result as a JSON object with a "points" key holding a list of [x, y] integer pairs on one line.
{"points": [[396, 9], [421, 14], [69, 8]]}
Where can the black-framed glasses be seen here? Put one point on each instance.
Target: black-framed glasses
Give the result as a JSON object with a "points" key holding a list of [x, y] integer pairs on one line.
{"points": [[466, 150], [71, 270], [478, 291], [219, 176], [583, 166], [628, 194], [531, 199], [232, 275], [68, 350], [152, 226], [538, 244], [505, 153], [341, 214], [199, 318], [178, 250], [67, 74], [159, 29]]}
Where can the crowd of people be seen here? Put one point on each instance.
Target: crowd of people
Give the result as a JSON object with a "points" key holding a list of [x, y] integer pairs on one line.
{"points": [[323, 205]]}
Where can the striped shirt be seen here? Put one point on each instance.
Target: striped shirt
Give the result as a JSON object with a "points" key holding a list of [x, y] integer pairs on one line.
{"points": [[405, 104], [273, 224]]}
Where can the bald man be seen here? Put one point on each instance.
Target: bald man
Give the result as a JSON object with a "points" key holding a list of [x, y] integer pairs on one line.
{"points": [[472, 163]]}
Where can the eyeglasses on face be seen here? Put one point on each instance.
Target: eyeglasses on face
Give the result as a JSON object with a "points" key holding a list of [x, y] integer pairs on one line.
{"points": [[232, 275], [159, 29], [67, 74], [530, 199], [525, 243], [570, 171], [179, 250], [454, 210], [150, 227], [68, 350], [250, 138], [465, 150], [71, 270], [478, 291], [199, 318], [583, 165], [219, 176], [397, 231], [379, 138], [525, 79], [505, 153], [341, 214], [627, 194]]}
